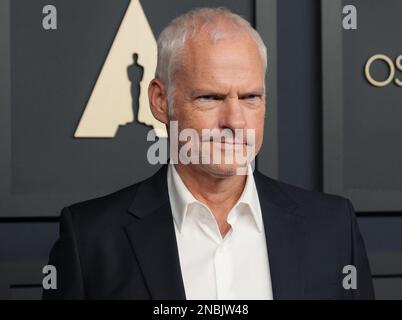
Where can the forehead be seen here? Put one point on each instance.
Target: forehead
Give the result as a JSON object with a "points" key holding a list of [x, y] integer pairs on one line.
{"points": [[236, 57]]}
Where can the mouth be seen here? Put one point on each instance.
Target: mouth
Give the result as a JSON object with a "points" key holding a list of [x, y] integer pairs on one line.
{"points": [[229, 144]]}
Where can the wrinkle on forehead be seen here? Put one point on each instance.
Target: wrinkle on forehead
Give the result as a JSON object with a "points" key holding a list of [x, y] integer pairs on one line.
{"points": [[201, 56]]}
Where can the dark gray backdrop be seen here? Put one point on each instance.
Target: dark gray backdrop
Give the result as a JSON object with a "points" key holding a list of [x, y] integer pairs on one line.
{"points": [[299, 146]]}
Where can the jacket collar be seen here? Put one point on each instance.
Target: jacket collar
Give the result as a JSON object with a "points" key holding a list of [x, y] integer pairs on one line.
{"points": [[284, 232]]}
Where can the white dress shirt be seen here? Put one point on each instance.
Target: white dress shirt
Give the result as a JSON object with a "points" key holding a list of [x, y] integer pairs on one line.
{"points": [[233, 267]]}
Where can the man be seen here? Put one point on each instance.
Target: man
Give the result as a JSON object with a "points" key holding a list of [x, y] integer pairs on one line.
{"points": [[202, 230]]}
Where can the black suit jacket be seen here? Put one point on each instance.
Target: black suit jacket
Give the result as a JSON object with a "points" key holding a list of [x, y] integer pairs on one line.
{"points": [[123, 245]]}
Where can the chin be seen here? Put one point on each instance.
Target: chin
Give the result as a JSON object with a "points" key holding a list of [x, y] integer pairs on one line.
{"points": [[221, 170]]}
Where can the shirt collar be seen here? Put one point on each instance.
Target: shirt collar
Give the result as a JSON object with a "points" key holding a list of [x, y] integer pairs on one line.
{"points": [[181, 198]]}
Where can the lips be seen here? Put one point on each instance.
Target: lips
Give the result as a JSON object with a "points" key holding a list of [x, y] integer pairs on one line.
{"points": [[230, 142], [229, 145]]}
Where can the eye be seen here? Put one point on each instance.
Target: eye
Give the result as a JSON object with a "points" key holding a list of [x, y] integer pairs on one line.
{"points": [[251, 97], [210, 97]]}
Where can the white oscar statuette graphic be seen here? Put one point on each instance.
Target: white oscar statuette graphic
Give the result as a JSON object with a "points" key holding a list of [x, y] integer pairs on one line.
{"points": [[110, 103]]}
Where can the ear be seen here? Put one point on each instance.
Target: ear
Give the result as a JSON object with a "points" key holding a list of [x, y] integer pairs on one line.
{"points": [[158, 100]]}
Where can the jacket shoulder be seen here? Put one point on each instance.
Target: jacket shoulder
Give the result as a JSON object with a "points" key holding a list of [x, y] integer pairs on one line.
{"points": [[310, 203], [105, 210]]}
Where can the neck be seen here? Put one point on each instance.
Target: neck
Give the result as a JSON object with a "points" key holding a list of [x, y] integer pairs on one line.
{"points": [[219, 193]]}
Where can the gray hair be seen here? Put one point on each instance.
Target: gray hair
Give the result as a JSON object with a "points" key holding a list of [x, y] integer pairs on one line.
{"points": [[173, 38]]}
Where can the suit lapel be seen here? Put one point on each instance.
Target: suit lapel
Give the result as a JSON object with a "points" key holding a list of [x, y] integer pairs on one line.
{"points": [[153, 239], [284, 235]]}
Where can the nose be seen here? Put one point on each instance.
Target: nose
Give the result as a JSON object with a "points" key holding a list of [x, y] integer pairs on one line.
{"points": [[232, 114]]}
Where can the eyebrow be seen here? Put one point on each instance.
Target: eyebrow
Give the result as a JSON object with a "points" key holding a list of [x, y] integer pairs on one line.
{"points": [[204, 92], [257, 91], [213, 92]]}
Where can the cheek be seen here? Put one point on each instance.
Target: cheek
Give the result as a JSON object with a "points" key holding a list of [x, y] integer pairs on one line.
{"points": [[199, 120], [255, 119], [260, 133], [256, 122]]}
